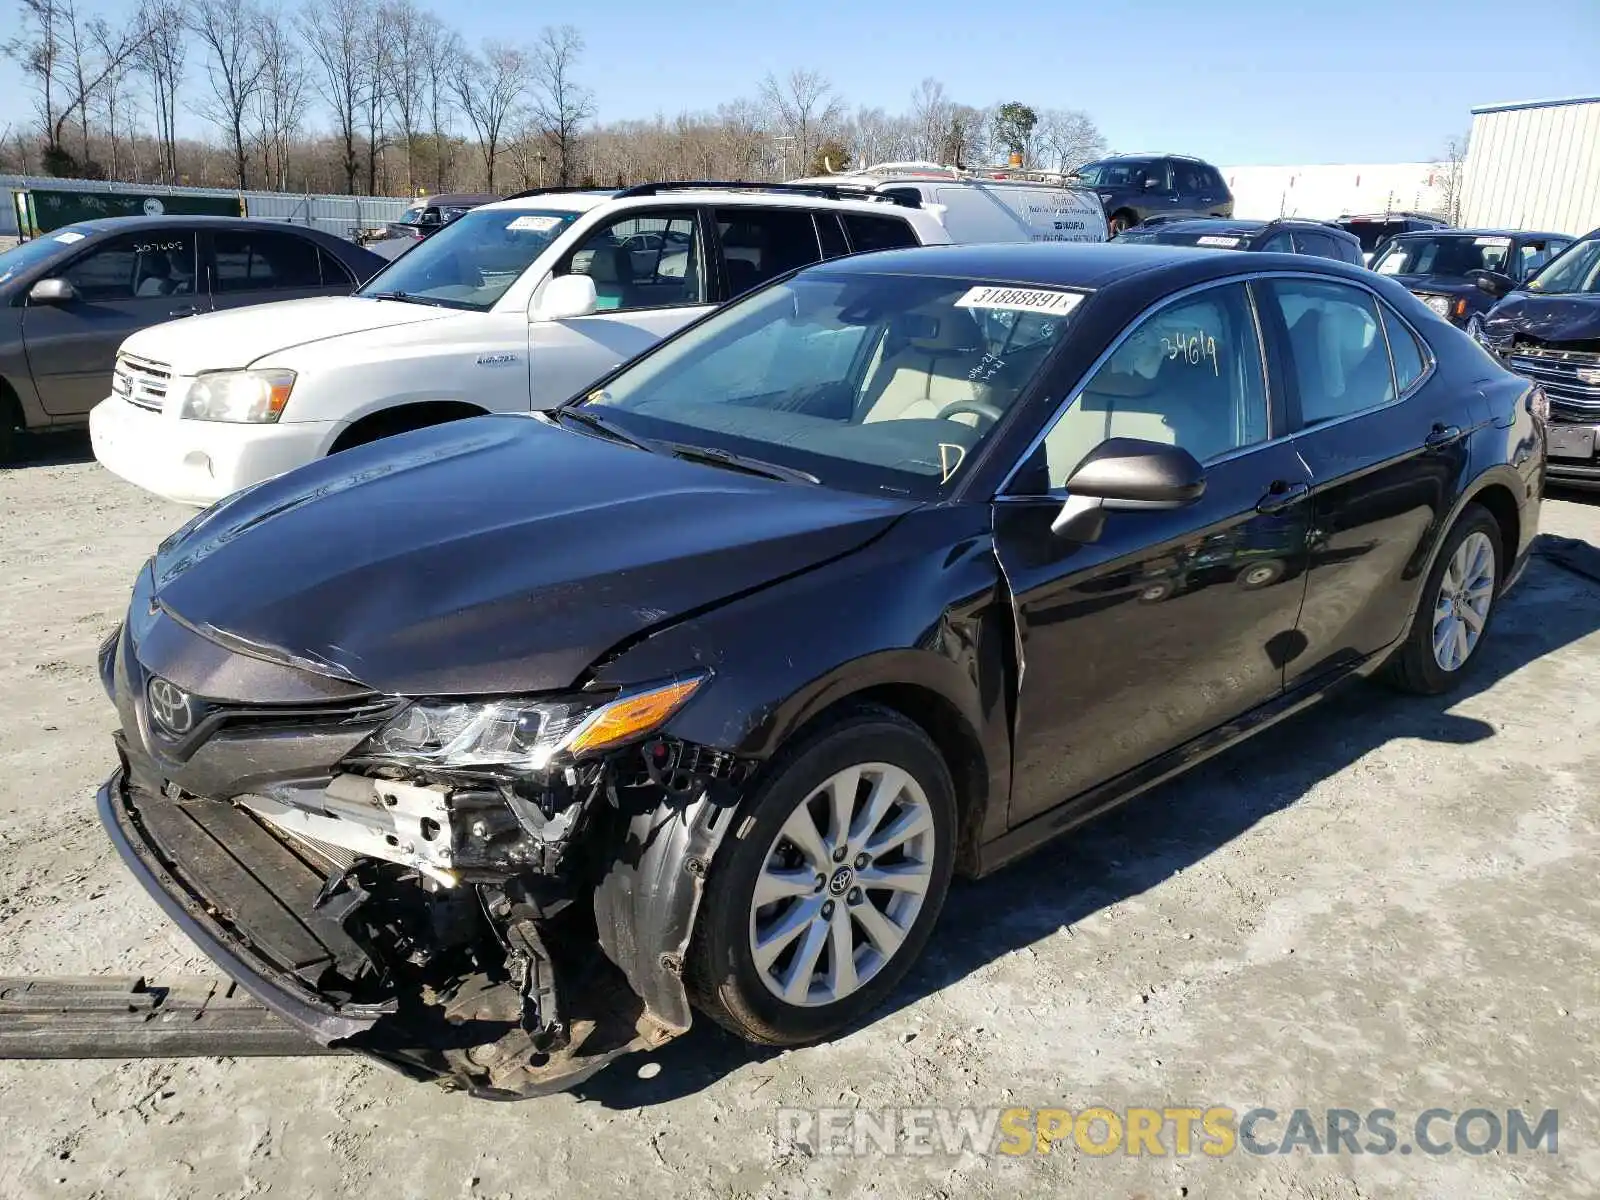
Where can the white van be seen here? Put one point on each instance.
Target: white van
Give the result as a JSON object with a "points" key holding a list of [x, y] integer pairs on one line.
{"points": [[1000, 206], [512, 307]]}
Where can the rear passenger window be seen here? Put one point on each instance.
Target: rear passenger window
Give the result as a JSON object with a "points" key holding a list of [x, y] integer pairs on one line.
{"points": [[878, 233], [759, 244], [334, 272], [831, 235], [1403, 348], [1341, 361], [253, 261], [1316, 244]]}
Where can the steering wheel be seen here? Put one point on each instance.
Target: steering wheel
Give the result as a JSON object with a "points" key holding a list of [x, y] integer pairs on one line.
{"points": [[976, 407]]}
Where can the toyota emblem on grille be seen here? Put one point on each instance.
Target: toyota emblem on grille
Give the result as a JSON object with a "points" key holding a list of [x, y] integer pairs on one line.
{"points": [[170, 708]]}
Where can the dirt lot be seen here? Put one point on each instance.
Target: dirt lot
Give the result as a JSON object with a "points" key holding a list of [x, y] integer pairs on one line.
{"points": [[1388, 903]]}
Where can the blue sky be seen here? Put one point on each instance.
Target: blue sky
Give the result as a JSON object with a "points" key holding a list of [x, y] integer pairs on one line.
{"points": [[1234, 81]]}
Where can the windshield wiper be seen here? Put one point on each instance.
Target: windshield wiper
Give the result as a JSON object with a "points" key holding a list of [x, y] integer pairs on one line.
{"points": [[600, 425], [739, 462], [406, 297]]}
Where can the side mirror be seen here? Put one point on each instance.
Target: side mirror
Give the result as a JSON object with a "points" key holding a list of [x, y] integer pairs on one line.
{"points": [[1127, 473], [567, 296], [1493, 282], [52, 291]]}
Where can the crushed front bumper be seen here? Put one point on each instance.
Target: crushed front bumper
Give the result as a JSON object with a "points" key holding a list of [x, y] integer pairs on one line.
{"points": [[249, 902]]}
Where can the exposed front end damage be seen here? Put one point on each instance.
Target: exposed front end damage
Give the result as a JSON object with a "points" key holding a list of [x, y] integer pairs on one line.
{"points": [[507, 934]]}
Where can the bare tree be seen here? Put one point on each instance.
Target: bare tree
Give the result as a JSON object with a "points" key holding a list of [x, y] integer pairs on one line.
{"points": [[280, 101], [161, 56], [377, 93], [1066, 139], [67, 56], [412, 33], [803, 109], [335, 32], [227, 32], [443, 55], [1452, 169], [561, 105], [488, 89], [931, 111], [117, 108]]}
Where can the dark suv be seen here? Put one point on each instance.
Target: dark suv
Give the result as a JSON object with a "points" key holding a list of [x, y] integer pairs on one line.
{"points": [[1373, 230], [1218, 233], [1136, 187]]}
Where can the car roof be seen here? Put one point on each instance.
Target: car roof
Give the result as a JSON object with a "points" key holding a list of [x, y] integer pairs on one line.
{"points": [[1505, 233], [1088, 265], [676, 197], [110, 224]]}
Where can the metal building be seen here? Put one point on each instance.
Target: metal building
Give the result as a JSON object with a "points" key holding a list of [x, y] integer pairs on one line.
{"points": [[1534, 165]]}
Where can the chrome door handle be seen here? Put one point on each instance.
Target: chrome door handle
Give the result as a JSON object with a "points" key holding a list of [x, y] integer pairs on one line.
{"points": [[186, 311], [1442, 435]]}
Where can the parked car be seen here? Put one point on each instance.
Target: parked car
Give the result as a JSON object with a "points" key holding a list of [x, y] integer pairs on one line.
{"points": [[424, 218], [1135, 187], [499, 749], [1374, 229], [1549, 330], [69, 298], [514, 306], [978, 207], [1278, 237], [1443, 267]]}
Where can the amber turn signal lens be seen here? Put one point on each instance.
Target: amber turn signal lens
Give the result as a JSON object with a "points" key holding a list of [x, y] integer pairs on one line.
{"points": [[631, 716]]}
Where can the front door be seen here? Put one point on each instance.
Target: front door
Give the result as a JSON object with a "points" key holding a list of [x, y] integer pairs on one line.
{"points": [[1171, 622], [650, 278], [123, 285]]}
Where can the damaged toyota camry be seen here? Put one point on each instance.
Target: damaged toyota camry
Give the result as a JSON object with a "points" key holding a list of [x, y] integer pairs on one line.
{"points": [[497, 750]]}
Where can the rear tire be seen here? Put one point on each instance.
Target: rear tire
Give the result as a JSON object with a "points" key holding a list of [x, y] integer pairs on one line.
{"points": [[770, 970], [11, 426], [1456, 609]]}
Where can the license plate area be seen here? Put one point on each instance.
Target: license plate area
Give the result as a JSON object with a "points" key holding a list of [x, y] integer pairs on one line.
{"points": [[1571, 441]]}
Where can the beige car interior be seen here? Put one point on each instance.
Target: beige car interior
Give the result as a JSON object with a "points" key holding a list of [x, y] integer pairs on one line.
{"points": [[1148, 390], [928, 373]]}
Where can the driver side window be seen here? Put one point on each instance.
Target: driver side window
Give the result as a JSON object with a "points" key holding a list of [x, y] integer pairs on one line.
{"points": [[652, 260], [1188, 375]]}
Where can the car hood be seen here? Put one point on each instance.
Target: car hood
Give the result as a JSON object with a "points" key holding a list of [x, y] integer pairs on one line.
{"points": [[493, 555], [1447, 285], [1545, 318], [239, 337]]}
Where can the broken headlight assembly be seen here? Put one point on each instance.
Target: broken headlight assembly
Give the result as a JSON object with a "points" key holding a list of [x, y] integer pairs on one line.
{"points": [[524, 736]]}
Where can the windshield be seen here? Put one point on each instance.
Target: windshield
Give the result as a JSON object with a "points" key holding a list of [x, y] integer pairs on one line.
{"points": [[1453, 254], [471, 262], [1576, 269], [40, 250], [883, 383]]}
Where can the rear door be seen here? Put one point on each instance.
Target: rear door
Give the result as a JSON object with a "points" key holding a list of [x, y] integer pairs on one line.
{"points": [[256, 266], [123, 284], [1387, 459], [652, 275]]}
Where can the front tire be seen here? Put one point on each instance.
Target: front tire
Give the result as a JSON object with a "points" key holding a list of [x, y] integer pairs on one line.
{"points": [[1457, 606], [829, 884]]}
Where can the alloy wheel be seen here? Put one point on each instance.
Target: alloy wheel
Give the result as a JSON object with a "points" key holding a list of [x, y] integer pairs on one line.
{"points": [[842, 884], [1461, 609]]}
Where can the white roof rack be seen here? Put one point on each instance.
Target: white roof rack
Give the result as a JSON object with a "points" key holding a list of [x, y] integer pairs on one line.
{"points": [[994, 174]]}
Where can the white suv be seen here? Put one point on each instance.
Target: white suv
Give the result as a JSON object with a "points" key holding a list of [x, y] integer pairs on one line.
{"points": [[514, 306]]}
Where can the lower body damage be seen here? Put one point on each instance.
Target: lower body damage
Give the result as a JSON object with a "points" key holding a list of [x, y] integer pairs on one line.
{"points": [[497, 938]]}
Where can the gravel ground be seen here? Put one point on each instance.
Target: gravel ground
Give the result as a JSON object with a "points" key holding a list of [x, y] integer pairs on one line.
{"points": [[1385, 903]]}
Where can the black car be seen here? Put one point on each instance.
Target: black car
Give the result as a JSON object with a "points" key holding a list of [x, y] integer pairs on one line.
{"points": [[424, 219], [1285, 236], [1461, 272], [498, 749], [1549, 331], [75, 294], [1136, 187], [1372, 230]]}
